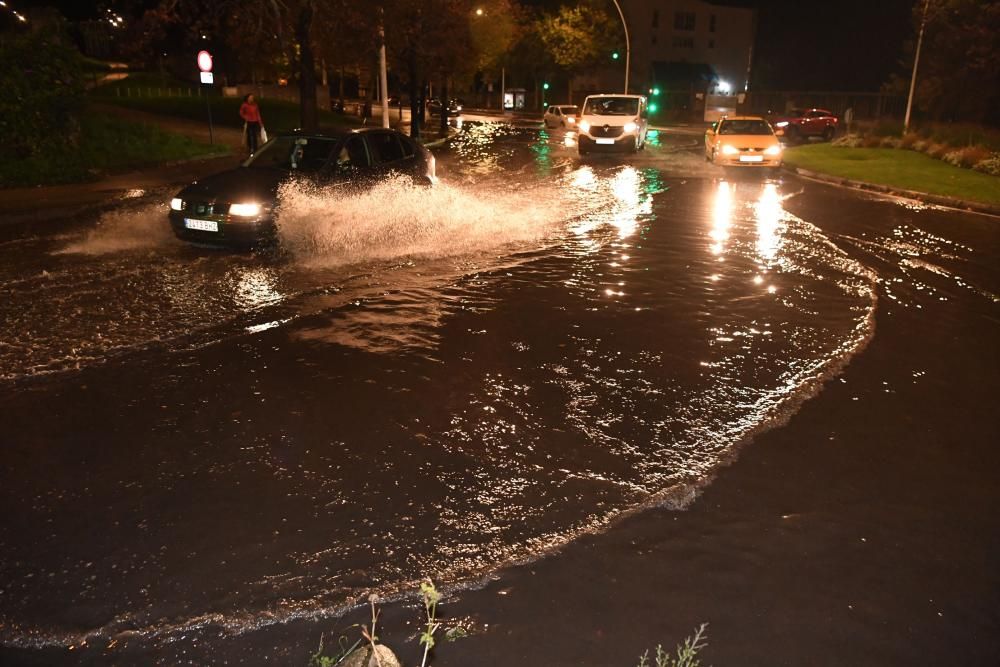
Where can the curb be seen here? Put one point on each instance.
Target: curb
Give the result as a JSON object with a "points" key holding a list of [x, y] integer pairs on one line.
{"points": [[939, 200]]}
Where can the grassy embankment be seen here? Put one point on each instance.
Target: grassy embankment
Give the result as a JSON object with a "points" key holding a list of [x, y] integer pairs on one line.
{"points": [[904, 169], [104, 145], [169, 97]]}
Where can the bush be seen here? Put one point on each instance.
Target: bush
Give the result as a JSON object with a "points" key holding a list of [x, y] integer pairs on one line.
{"points": [[938, 151], [909, 141], [920, 145], [848, 141], [953, 158], [970, 156], [990, 165], [42, 83], [871, 141], [891, 142]]}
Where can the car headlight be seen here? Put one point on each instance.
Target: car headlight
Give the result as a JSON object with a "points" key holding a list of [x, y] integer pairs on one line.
{"points": [[176, 204], [773, 150], [729, 150], [244, 210], [781, 124], [630, 127], [570, 120], [584, 126]]}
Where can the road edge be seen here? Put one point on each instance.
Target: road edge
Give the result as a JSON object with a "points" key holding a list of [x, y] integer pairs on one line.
{"points": [[926, 197]]}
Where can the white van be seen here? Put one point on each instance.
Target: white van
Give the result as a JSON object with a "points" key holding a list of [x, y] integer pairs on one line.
{"points": [[613, 122]]}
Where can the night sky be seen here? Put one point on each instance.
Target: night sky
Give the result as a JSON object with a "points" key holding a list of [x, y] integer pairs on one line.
{"points": [[801, 45]]}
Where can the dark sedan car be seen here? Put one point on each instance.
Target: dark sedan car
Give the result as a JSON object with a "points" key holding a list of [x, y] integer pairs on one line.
{"points": [[454, 107], [238, 207]]}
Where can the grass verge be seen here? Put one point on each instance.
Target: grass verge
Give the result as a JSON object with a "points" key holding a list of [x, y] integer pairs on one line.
{"points": [[106, 144], [278, 115], [904, 169]]}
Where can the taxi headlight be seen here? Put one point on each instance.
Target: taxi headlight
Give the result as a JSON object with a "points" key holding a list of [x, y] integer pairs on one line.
{"points": [[781, 124], [245, 210], [630, 127], [729, 150], [176, 204], [584, 126], [773, 150]]}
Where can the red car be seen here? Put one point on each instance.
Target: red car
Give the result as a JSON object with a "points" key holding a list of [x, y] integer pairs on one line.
{"points": [[802, 123]]}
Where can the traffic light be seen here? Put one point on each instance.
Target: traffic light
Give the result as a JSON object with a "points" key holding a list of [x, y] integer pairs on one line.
{"points": [[653, 106], [614, 55], [655, 91], [545, 86]]}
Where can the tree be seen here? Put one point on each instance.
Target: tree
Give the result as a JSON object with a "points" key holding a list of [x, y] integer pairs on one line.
{"points": [[958, 77], [578, 37]]}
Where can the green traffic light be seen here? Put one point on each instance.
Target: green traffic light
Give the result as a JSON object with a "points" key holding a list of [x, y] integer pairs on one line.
{"points": [[656, 91], [653, 106], [614, 55], [545, 86]]}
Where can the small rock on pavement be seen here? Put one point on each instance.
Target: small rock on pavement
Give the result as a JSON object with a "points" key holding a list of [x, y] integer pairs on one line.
{"points": [[365, 657]]}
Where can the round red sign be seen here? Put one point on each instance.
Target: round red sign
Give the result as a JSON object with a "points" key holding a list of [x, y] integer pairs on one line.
{"points": [[205, 61]]}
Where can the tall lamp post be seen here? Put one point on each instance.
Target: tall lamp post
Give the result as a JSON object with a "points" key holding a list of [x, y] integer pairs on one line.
{"points": [[916, 61], [627, 46]]}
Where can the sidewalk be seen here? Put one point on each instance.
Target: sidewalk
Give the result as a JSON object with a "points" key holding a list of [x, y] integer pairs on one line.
{"points": [[34, 204], [18, 205]]}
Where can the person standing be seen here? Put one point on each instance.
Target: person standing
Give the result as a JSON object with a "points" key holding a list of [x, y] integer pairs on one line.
{"points": [[250, 113]]}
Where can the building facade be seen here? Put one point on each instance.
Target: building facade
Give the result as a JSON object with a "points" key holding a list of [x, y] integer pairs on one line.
{"points": [[681, 45]]}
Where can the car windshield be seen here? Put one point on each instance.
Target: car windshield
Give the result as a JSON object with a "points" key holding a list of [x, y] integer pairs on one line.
{"points": [[611, 106], [745, 127], [292, 153], [569, 111]]}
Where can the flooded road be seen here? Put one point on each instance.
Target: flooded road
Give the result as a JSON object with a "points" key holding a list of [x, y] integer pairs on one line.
{"points": [[200, 444]]}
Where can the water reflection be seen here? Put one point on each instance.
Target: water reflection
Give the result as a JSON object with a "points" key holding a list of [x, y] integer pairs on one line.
{"points": [[255, 288]]}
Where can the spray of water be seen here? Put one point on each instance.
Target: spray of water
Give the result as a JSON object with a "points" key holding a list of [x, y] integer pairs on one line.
{"points": [[395, 219], [124, 229]]}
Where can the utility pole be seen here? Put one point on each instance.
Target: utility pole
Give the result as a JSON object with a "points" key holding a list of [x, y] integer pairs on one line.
{"points": [[627, 45], [383, 80], [916, 61]]}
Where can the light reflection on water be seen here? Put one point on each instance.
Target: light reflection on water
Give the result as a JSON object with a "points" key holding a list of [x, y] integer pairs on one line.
{"points": [[485, 385]]}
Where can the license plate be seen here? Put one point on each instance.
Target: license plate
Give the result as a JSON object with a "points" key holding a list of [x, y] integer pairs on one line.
{"points": [[601, 140], [751, 158], [201, 225]]}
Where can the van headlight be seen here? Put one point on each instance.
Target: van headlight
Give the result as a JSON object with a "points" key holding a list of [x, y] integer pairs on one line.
{"points": [[729, 150], [773, 150], [630, 127], [584, 126], [176, 204], [570, 120], [244, 210]]}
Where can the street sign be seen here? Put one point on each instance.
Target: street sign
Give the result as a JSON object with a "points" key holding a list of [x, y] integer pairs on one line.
{"points": [[205, 61], [207, 77]]}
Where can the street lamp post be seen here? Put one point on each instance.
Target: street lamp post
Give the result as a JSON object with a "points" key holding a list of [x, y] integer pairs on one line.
{"points": [[627, 46], [916, 61]]}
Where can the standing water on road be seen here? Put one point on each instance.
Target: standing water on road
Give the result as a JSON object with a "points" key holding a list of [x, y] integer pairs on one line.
{"points": [[421, 382]]}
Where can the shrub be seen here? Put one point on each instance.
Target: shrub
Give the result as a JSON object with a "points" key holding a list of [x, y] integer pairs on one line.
{"points": [[42, 83], [871, 141], [909, 141], [921, 145], [938, 151], [953, 158], [891, 142], [972, 155], [848, 141], [990, 165]]}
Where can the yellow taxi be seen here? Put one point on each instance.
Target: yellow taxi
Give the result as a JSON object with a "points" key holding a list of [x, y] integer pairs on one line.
{"points": [[742, 141]]}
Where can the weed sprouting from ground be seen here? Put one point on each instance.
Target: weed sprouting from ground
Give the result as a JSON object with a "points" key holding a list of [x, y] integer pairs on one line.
{"points": [[686, 654], [431, 598]]}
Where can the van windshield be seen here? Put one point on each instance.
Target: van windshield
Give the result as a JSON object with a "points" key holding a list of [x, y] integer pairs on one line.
{"points": [[611, 106]]}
